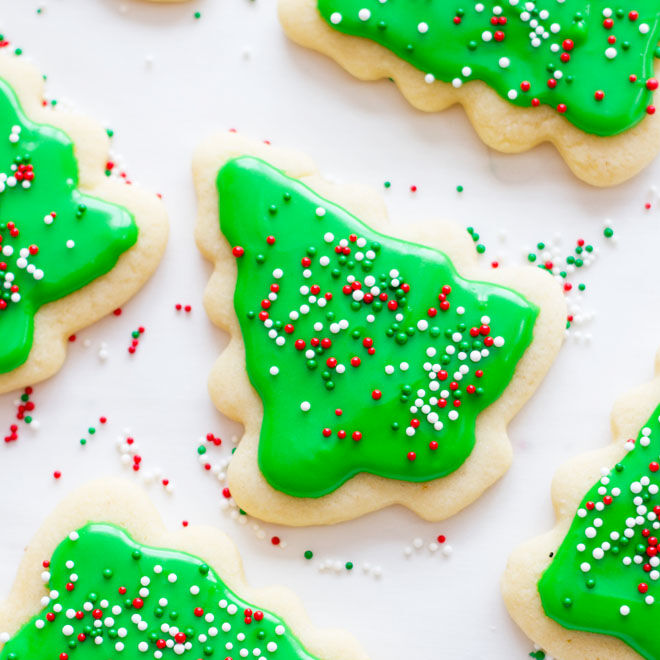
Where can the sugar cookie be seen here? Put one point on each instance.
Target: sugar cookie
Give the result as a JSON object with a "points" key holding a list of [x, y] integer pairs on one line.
{"points": [[579, 76], [376, 374], [104, 578], [74, 244]]}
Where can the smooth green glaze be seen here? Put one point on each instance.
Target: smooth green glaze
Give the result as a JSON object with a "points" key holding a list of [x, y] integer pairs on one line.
{"points": [[256, 201], [597, 595], [106, 562], [447, 48], [101, 232]]}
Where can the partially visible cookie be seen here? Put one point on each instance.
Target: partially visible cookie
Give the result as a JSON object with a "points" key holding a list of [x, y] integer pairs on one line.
{"points": [[74, 244], [579, 76], [589, 588], [103, 578], [379, 371]]}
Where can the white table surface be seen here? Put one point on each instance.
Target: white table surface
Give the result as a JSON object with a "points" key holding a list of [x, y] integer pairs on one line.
{"points": [[163, 81]]}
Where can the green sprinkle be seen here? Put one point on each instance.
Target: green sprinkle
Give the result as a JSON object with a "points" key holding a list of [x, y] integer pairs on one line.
{"points": [[197, 14], [387, 184], [608, 232], [201, 450], [349, 565], [308, 554], [459, 189], [481, 248]]}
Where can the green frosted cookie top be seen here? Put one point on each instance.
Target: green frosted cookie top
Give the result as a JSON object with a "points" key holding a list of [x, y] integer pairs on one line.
{"points": [[592, 62], [111, 597], [370, 354], [54, 239], [604, 576]]}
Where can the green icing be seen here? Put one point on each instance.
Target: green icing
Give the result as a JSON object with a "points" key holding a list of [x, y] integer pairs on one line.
{"points": [[111, 597], [38, 177], [363, 364], [604, 577], [530, 53]]}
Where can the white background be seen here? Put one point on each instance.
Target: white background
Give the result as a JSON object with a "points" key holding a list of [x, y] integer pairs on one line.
{"points": [[235, 68]]}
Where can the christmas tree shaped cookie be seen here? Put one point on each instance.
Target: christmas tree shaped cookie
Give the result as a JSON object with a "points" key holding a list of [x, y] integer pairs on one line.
{"points": [[379, 371], [118, 585], [572, 73], [589, 588], [73, 245]]}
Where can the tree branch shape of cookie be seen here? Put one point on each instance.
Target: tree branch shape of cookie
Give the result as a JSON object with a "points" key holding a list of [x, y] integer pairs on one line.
{"points": [[118, 585], [571, 73], [371, 354], [588, 588], [66, 235]]}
